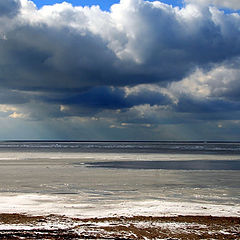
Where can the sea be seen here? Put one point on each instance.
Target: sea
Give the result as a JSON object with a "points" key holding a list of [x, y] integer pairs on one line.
{"points": [[98, 179]]}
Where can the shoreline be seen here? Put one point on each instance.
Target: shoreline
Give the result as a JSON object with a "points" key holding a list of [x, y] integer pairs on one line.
{"points": [[22, 226]]}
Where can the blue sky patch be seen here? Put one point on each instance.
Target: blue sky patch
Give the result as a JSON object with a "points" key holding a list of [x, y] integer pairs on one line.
{"points": [[104, 4]]}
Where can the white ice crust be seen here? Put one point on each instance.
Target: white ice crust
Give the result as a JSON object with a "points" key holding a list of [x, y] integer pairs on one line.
{"points": [[75, 206]]}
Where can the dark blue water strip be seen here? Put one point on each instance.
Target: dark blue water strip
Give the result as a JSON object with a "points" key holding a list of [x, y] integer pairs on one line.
{"points": [[171, 165]]}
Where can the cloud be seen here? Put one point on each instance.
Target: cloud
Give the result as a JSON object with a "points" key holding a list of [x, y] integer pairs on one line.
{"points": [[8, 96], [17, 115], [111, 98], [209, 95], [233, 4], [6, 108], [9, 8], [64, 48], [221, 82], [143, 63]]}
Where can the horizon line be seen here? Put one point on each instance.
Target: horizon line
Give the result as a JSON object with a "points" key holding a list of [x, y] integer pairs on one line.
{"points": [[166, 141]]}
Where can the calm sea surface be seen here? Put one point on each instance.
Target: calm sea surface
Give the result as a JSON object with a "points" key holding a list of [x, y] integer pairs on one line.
{"points": [[202, 172]]}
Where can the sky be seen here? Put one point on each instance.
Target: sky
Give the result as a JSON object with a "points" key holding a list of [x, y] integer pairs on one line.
{"points": [[120, 70], [103, 4]]}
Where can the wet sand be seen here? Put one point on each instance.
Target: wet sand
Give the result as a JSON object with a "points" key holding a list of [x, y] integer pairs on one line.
{"points": [[18, 226]]}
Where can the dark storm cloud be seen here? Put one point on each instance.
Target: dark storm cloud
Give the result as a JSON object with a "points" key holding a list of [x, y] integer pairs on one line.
{"points": [[201, 105], [110, 98], [12, 97], [100, 97], [47, 59]]}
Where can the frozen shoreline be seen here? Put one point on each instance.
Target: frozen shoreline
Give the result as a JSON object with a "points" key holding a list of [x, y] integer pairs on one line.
{"points": [[76, 206], [40, 216]]}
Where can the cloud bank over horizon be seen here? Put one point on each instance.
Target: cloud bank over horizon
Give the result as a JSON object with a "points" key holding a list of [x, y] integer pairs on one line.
{"points": [[143, 70]]}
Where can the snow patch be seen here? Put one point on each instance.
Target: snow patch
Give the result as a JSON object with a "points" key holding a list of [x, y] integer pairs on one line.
{"points": [[76, 206]]}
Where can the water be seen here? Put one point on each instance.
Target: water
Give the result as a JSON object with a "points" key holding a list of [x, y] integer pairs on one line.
{"points": [[90, 175]]}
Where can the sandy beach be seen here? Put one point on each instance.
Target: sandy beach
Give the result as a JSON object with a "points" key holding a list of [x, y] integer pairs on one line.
{"points": [[35, 216], [17, 226]]}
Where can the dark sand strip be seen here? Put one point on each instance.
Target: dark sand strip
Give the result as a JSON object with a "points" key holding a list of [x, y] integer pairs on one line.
{"points": [[16, 226]]}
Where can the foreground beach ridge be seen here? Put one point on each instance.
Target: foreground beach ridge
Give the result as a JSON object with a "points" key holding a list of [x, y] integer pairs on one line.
{"points": [[37, 216], [22, 226]]}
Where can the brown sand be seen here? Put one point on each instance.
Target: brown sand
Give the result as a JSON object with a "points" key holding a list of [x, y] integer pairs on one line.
{"points": [[16, 226]]}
